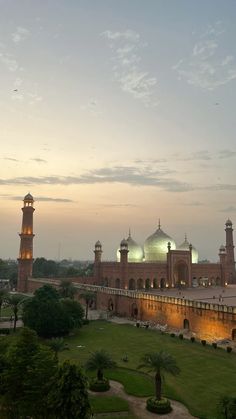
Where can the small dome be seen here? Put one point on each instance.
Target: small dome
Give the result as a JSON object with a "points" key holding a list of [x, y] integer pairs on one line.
{"points": [[228, 222], [156, 246], [98, 244], [185, 246], [28, 197], [135, 251], [222, 249], [124, 243]]}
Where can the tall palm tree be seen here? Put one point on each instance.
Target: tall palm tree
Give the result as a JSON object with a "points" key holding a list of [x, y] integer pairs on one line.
{"points": [[99, 361], [14, 301], [67, 289], [159, 362], [88, 297]]}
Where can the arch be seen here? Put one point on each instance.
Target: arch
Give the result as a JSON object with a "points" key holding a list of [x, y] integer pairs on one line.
{"points": [[105, 282], [181, 274], [132, 284], [110, 305], [195, 282], [117, 285], [147, 284], [140, 284], [134, 310], [186, 324], [162, 283], [155, 283], [233, 334], [218, 281]]}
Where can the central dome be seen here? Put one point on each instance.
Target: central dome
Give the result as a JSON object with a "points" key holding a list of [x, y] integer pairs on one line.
{"points": [[155, 246]]}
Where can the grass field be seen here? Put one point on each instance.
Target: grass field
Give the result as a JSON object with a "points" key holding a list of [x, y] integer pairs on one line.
{"points": [[206, 373]]}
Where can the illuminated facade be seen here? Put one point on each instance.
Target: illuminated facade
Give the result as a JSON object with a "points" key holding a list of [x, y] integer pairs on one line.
{"points": [[163, 264], [25, 260]]}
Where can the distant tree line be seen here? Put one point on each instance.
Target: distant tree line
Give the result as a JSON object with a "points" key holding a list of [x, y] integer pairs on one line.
{"points": [[49, 268], [8, 270]]}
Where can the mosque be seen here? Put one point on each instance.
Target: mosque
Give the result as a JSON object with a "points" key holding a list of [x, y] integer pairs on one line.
{"points": [[160, 263]]}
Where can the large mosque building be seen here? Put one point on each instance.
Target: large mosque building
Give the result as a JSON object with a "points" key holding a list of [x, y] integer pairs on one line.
{"points": [[160, 263]]}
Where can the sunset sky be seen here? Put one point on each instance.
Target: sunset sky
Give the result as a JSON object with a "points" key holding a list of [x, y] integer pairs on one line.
{"points": [[113, 114]]}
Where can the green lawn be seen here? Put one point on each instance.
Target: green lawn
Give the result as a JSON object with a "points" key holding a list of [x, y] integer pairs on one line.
{"points": [[103, 404], [206, 373]]}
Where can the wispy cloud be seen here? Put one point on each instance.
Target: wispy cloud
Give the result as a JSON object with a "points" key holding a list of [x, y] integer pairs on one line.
{"points": [[10, 159], [20, 34], [226, 154], [126, 55], [38, 160], [207, 67], [41, 198], [229, 209], [92, 107]]}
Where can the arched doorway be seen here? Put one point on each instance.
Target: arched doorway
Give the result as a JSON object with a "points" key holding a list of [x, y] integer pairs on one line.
{"points": [[131, 284], [186, 324], [134, 311], [147, 284], [140, 284], [234, 334], [181, 274], [162, 282], [110, 305], [117, 283], [155, 283]]}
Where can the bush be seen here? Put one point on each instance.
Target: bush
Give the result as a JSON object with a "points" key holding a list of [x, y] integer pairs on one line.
{"points": [[158, 406], [214, 344], [172, 335], [203, 342], [85, 321], [181, 336], [192, 339], [4, 331], [229, 349], [99, 385]]}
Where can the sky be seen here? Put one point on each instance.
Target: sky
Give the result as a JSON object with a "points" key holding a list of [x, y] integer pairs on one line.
{"points": [[114, 114]]}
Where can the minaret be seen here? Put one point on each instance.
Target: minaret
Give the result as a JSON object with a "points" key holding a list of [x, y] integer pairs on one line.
{"points": [[124, 263], [25, 260], [229, 243], [97, 262]]}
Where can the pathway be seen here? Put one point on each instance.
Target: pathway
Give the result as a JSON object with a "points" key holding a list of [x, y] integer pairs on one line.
{"points": [[138, 404]]}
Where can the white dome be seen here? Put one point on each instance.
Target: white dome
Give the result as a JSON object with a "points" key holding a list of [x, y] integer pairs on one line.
{"points": [[156, 246], [185, 246], [135, 251]]}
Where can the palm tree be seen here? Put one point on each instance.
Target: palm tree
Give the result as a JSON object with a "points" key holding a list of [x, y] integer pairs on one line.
{"points": [[88, 297], [2, 298], [14, 301], [57, 345], [99, 361], [67, 289], [159, 362]]}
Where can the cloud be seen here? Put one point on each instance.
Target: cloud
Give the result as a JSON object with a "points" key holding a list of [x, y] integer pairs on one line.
{"points": [[91, 106], [206, 67], [42, 198], [229, 209], [20, 34], [120, 205], [226, 154], [196, 155], [10, 159], [127, 72], [9, 61], [193, 204], [38, 160]]}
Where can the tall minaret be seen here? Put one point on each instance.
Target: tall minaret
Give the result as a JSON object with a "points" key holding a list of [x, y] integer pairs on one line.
{"points": [[229, 243], [25, 260]]}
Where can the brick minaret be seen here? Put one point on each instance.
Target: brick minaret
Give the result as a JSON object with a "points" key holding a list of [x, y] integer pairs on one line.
{"points": [[124, 263], [97, 262], [25, 260], [229, 243]]}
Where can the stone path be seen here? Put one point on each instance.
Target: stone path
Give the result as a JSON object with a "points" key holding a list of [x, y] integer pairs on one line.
{"points": [[138, 404]]}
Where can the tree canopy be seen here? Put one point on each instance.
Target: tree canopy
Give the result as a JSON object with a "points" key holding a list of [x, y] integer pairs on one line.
{"points": [[49, 315]]}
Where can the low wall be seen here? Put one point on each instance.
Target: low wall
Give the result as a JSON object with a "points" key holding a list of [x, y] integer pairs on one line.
{"points": [[205, 320]]}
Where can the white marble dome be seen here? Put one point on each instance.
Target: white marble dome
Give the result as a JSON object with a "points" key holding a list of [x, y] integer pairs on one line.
{"points": [[185, 246], [155, 246], [135, 251]]}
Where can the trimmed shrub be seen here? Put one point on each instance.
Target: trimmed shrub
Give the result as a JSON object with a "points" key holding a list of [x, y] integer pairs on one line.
{"points": [[203, 342], [214, 344], [158, 406], [99, 385], [181, 336], [172, 335], [192, 339], [229, 349]]}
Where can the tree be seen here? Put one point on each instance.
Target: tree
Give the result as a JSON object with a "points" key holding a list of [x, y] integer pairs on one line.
{"points": [[99, 361], [88, 297], [67, 289], [227, 407], [69, 397], [159, 362], [15, 301], [74, 310], [3, 293], [49, 315], [27, 377], [57, 345]]}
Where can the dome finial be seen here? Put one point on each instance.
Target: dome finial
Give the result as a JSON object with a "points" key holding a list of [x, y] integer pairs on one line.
{"points": [[129, 232], [159, 223]]}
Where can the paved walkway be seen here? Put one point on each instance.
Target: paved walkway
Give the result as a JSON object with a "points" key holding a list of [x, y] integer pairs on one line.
{"points": [[137, 405]]}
